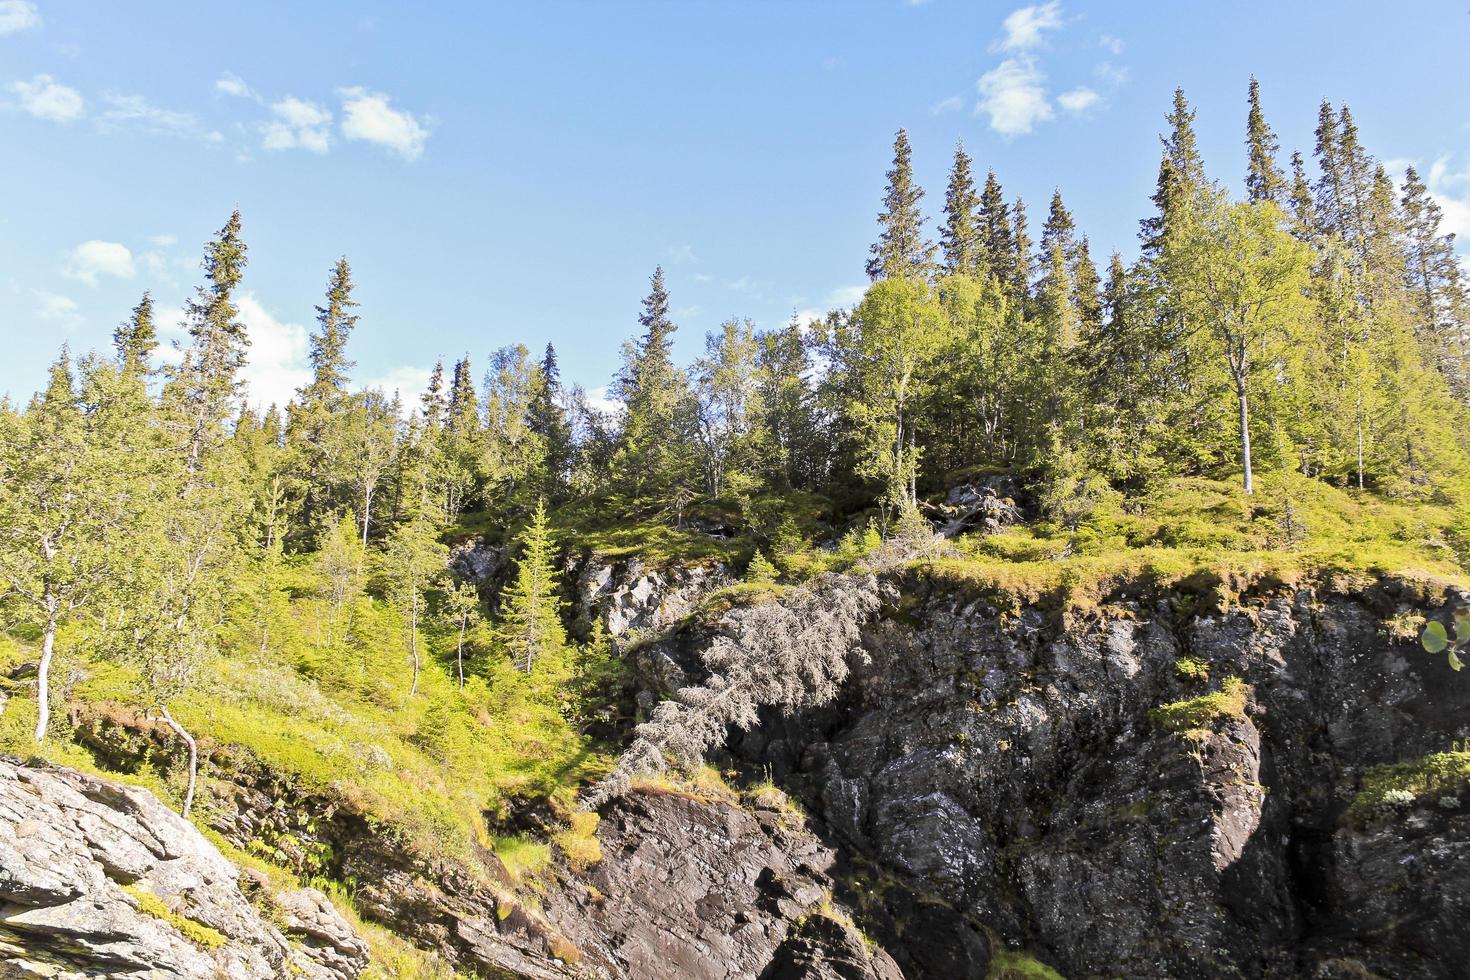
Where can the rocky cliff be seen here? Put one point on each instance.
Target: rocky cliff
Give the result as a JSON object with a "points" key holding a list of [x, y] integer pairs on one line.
{"points": [[1165, 790], [1159, 788]]}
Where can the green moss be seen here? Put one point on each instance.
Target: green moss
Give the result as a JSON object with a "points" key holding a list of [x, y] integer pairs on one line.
{"points": [[196, 932], [1008, 965], [1442, 773], [1192, 669], [522, 857], [1197, 713], [578, 841]]}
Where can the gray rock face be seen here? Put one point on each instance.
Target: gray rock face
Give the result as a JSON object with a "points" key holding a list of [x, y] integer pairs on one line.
{"points": [[1013, 772], [636, 596], [100, 879], [694, 890]]}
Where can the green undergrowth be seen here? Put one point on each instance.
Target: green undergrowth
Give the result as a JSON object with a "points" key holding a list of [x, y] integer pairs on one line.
{"points": [[1440, 775], [328, 710], [1009, 965], [1196, 714], [1206, 538]]}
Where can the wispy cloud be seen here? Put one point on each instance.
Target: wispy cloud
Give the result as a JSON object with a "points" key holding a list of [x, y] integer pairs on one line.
{"points": [[1013, 95], [1079, 100], [46, 98], [952, 104], [57, 309], [1026, 28], [1112, 45], [370, 116], [681, 255], [94, 259], [18, 15], [234, 86], [135, 113], [298, 123]]}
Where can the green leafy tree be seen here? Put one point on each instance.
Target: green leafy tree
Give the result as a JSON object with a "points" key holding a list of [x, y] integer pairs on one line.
{"points": [[461, 611], [1243, 280], [412, 560]]}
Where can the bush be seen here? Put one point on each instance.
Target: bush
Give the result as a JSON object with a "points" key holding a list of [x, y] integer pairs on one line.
{"points": [[1196, 714]]}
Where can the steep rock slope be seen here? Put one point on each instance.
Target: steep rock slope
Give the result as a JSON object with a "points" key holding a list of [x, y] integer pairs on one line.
{"points": [[1026, 777], [100, 879]]}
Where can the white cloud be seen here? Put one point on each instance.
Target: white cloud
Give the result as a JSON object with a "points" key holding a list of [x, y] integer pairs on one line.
{"points": [[952, 104], [1024, 27], [164, 241], [46, 98], [682, 255], [60, 310], [1110, 44], [370, 116], [137, 113], [234, 86], [277, 360], [1013, 94], [846, 296], [1451, 188], [1110, 74], [1079, 99], [599, 399], [407, 382], [94, 258], [298, 123], [18, 15]]}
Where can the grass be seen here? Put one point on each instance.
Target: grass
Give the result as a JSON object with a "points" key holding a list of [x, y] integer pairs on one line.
{"points": [[1008, 965], [1442, 773], [578, 842], [338, 720], [523, 858], [1196, 714], [196, 932], [1204, 537]]}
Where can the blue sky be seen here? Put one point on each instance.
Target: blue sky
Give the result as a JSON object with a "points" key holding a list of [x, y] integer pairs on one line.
{"points": [[512, 172]]}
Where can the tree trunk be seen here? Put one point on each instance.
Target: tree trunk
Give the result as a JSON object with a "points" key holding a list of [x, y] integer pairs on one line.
{"points": [[193, 759], [367, 510], [413, 646], [1245, 436], [459, 655], [43, 678]]}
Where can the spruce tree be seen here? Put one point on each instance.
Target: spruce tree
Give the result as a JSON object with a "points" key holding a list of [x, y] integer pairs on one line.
{"points": [[432, 400], [206, 384], [997, 250], [1263, 179], [462, 416], [548, 421], [335, 321], [1303, 203], [901, 249], [653, 448], [1181, 178], [1085, 286], [961, 234], [530, 623], [137, 339], [1020, 259]]}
